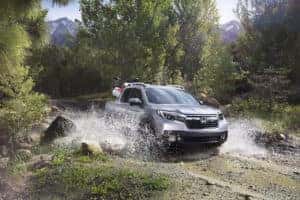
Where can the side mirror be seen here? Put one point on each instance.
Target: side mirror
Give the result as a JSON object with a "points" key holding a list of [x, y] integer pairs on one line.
{"points": [[135, 102], [201, 102], [116, 92]]}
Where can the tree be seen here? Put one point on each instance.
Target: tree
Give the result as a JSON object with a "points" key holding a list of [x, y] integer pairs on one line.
{"points": [[159, 41], [21, 27], [197, 21], [128, 34], [219, 73], [272, 37]]}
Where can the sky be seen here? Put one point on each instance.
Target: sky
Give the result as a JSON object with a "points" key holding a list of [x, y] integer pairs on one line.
{"points": [[72, 11]]}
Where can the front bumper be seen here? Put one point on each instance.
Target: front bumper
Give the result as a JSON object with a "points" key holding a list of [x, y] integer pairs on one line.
{"points": [[177, 131], [194, 137]]}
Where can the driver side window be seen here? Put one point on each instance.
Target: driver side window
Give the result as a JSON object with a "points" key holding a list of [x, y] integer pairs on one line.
{"points": [[131, 93], [126, 96]]}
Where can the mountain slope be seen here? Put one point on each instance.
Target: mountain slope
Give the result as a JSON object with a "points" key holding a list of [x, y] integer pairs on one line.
{"points": [[230, 31], [62, 31]]}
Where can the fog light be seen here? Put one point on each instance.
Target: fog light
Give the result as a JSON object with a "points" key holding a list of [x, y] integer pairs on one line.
{"points": [[172, 138], [178, 138]]}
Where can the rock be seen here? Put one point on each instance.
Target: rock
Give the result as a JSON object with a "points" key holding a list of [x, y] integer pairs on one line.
{"points": [[3, 151], [280, 136], [296, 172], [91, 148], [23, 145], [248, 197], [209, 100], [4, 162], [58, 128], [205, 194], [35, 137], [55, 109], [41, 161], [113, 144], [210, 183], [41, 164]]}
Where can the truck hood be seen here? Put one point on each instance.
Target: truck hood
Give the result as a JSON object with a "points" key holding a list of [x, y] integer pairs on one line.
{"points": [[187, 109]]}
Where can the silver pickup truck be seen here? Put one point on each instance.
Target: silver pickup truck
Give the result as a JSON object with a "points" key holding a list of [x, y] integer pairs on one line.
{"points": [[171, 114]]}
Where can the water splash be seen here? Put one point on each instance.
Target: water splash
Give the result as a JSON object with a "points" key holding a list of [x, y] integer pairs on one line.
{"points": [[117, 134], [241, 138], [121, 134]]}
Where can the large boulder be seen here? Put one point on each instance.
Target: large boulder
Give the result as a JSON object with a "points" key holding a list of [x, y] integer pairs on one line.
{"points": [[209, 100], [60, 127], [91, 148]]}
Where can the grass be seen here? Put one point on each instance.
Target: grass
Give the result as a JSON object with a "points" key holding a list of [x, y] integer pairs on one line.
{"points": [[17, 164], [276, 118], [75, 176]]}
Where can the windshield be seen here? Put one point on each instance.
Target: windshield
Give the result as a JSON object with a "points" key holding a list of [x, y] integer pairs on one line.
{"points": [[168, 95]]}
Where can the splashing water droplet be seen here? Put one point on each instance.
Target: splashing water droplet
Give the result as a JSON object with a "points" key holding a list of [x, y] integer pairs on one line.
{"points": [[240, 138], [114, 134]]}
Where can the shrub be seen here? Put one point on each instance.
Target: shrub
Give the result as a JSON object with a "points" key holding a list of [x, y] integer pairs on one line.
{"points": [[82, 181], [277, 116]]}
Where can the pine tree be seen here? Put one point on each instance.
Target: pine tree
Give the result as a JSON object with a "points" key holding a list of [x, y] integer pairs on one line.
{"points": [[21, 28]]}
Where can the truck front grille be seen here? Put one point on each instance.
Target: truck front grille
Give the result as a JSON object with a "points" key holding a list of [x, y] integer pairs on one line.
{"points": [[203, 121]]}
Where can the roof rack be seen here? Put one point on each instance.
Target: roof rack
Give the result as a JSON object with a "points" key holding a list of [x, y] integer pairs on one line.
{"points": [[135, 84], [180, 87]]}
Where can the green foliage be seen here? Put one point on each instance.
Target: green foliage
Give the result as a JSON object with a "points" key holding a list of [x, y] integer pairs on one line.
{"points": [[278, 117], [82, 181], [271, 39], [128, 36], [218, 75], [57, 71], [258, 107], [20, 107], [157, 41], [197, 20], [16, 167], [17, 163]]}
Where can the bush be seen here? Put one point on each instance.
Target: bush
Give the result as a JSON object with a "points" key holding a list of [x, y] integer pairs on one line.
{"points": [[72, 180], [21, 107], [277, 116]]}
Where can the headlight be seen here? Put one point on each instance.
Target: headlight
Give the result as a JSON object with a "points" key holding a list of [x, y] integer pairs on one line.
{"points": [[170, 115], [221, 116]]}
